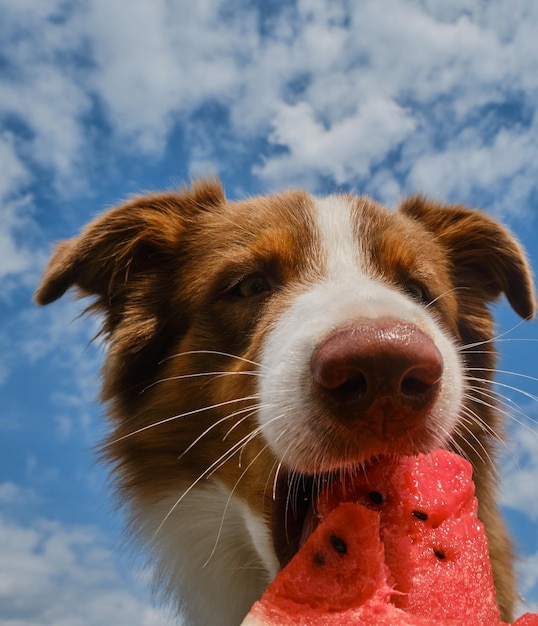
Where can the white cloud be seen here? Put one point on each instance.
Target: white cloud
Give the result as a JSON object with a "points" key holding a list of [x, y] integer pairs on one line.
{"points": [[16, 257], [11, 493], [41, 89], [527, 569], [338, 87], [57, 342], [14, 173], [519, 487], [41, 109], [349, 148], [391, 76], [164, 60], [506, 167], [54, 574], [56, 339]]}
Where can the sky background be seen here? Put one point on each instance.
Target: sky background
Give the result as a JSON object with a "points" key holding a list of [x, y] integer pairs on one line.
{"points": [[101, 99]]}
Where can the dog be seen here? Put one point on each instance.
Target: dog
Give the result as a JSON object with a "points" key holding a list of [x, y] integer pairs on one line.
{"points": [[256, 346]]}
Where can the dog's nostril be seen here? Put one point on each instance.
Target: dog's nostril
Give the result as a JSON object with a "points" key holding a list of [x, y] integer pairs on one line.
{"points": [[424, 378], [355, 386], [412, 387]]}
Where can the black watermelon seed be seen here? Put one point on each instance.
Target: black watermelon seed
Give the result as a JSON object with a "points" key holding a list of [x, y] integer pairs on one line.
{"points": [[338, 544], [420, 515], [439, 554], [319, 558], [376, 497]]}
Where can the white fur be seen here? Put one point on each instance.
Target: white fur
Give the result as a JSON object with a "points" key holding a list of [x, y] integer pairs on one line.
{"points": [[346, 293], [343, 257], [211, 540]]}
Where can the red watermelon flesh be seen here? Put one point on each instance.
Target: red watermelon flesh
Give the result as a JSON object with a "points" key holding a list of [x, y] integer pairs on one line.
{"points": [[339, 577], [434, 543], [398, 544]]}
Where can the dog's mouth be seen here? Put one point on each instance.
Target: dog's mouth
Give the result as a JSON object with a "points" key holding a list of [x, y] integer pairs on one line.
{"points": [[301, 501], [296, 495], [295, 514]]}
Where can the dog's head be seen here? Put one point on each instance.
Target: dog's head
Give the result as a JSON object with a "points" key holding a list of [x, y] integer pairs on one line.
{"points": [[288, 336]]}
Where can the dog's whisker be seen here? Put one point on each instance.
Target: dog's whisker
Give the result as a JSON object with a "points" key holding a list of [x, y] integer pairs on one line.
{"points": [[234, 449], [506, 372], [253, 410], [290, 501], [475, 417], [472, 416], [523, 423], [279, 465], [444, 294], [241, 444], [225, 374], [199, 375], [255, 432], [528, 395], [499, 401], [517, 339], [466, 352], [469, 414], [293, 484], [462, 425], [493, 387], [180, 416], [236, 357], [499, 339], [205, 474], [490, 405], [275, 479], [452, 442], [250, 410], [227, 504]]}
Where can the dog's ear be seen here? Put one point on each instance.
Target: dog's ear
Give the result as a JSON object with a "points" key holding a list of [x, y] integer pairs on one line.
{"points": [[484, 255], [126, 256]]}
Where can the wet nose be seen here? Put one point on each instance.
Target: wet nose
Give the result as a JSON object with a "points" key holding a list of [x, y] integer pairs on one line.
{"points": [[380, 372]]}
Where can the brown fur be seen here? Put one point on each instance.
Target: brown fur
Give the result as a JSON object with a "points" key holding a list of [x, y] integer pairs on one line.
{"points": [[484, 262], [159, 268]]}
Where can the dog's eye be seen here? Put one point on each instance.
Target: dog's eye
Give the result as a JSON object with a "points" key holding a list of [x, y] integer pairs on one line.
{"points": [[251, 286], [417, 292]]}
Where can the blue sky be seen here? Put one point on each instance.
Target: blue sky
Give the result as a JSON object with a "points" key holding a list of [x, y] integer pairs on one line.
{"points": [[100, 99]]}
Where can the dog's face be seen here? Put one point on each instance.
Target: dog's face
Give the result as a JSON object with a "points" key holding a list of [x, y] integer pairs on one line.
{"points": [[263, 343], [362, 358]]}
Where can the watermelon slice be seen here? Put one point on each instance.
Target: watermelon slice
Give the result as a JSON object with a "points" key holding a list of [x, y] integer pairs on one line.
{"points": [[400, 544]]}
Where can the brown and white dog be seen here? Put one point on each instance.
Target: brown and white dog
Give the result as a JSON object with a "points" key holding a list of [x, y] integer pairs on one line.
{"points": [[255, 346]]}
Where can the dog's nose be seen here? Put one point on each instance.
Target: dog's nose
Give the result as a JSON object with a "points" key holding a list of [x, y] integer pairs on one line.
{"points": [[383, 373]]}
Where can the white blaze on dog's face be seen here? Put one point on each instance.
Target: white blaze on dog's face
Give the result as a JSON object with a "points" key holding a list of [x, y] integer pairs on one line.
{"points": [[355, 291]]}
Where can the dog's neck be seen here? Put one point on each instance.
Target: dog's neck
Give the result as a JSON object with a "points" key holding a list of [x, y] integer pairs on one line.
{"points": [[211, 542]]}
